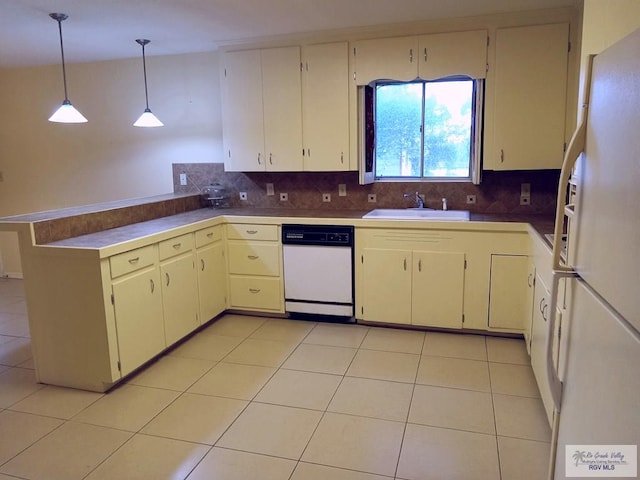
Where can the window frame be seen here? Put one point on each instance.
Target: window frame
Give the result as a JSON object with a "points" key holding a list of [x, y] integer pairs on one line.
{"points": [[367, 129]]}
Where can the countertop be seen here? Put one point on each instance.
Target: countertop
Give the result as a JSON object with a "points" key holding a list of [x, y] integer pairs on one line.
{"points": [[166, 227]]}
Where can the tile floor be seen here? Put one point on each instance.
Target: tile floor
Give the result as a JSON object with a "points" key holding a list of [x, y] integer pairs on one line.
{"points": [[257, 398]]}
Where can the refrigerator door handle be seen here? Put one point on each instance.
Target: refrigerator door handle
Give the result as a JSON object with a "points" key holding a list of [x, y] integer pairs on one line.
{"points": [[555, 384]]}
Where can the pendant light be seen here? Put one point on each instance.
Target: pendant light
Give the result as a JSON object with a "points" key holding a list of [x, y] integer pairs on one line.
{"points": [[66, 113], [147, 119]]}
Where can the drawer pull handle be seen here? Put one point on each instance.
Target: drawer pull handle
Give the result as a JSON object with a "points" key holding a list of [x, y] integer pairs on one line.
{"points": [[252, 232], [210, 235], [254, 290], [133, 261], [420, 265], [405, 264], [168, 279], [253, 257], [202, 263], [153, 286], [177, 246]]}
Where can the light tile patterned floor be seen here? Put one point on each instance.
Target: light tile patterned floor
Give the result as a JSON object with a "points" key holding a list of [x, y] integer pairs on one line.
{"points": [[258, 398]]}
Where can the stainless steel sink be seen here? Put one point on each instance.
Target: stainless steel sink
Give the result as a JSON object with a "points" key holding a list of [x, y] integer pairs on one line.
{"points": [[418, 214]]}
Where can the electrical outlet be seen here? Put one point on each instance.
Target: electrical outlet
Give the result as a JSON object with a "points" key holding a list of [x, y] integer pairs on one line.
{"points": [[372, 198], [183, 179], [243, 195], [525, 200], [270, 190], [342, 190], [326, 197], [471, 199], [284, 197]]}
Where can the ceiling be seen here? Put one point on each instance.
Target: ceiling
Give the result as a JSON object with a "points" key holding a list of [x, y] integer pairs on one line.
{"points": [[106, 29]]}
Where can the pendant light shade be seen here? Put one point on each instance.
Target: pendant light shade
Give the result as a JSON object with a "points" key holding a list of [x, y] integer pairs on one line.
{"points": [[147, 119], [66, 113]]}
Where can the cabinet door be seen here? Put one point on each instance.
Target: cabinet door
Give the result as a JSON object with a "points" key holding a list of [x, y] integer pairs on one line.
{"points": [[325, 107], [445, 54], [242, 112], [509, 293], [138, 310], [282, 100], [530, 96], [438, 289], [212, 290], [387, 286], [179, 297], [386, 59]]}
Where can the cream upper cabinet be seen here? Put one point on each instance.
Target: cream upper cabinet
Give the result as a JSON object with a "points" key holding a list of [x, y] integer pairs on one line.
{"points": [[262, 110], [325, 107], [446, 54], [282, 100], [511, 292], [438, 289], [393, 58], [243, 121], [428, 57], [530, 97]]}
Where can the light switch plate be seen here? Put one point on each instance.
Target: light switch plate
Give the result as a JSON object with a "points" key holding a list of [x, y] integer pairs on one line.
{"points": [[270, 189], [342, 190], [183, 179]]}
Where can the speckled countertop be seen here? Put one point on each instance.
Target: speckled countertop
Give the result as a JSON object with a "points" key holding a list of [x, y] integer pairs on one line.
{"points": [[131, 236]]}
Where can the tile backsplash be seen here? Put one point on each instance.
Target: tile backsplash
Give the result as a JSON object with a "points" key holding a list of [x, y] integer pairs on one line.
{"points": [[499, 192]]}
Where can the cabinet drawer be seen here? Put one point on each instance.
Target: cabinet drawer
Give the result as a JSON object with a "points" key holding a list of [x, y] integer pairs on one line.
{"points": [[255, 292], [254, 258], [133, 260], [175, 246], [208, 235], [238, 231]]}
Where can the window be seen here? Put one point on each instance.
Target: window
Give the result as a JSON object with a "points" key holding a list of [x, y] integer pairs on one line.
{"points": [[425, 130]]}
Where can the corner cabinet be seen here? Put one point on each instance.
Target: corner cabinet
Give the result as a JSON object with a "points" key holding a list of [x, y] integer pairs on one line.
{"points": [[530, 97], [325, 107], [212, 272], [262, 110]]}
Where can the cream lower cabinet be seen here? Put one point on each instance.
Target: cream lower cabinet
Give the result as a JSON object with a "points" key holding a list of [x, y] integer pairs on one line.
{"points": [[255, 267], [179, 287], [212, 272], [137, 302], [511, 291], [413, 287]]}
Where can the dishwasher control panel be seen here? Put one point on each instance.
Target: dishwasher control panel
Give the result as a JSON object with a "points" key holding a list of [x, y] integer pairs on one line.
{"points": [[330, 235]]}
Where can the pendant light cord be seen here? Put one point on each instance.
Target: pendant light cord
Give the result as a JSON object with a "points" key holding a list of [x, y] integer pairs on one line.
{"points": [[64, 70], [144, 69]]}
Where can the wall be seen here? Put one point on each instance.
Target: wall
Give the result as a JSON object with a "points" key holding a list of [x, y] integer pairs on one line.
{"points": [[47, 166], [603, 24], [499, 192]]}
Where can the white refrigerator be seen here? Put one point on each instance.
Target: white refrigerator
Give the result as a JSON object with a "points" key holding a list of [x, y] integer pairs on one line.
{"points": [[597, 394]]}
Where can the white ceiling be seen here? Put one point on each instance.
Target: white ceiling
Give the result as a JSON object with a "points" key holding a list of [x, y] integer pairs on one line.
{"points": [[106, 29]]}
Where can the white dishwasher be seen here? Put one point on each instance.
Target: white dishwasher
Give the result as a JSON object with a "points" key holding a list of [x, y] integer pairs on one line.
{"points": [[318, 269]]}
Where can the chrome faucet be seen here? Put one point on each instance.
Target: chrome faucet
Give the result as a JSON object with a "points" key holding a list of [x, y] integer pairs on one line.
{"points": [[418, 199]]}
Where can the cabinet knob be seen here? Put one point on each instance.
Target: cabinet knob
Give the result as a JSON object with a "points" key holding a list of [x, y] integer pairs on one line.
{"points": [[253, 257], [252, 232], [135, 260], [152, 285], [420, 265], [254, 290], [168, 279], [425, 54], [501, 155], [177, 246], [202, 263], [210, 235], [259, 163], [411, 55], [270, 160], [405, 264]]}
